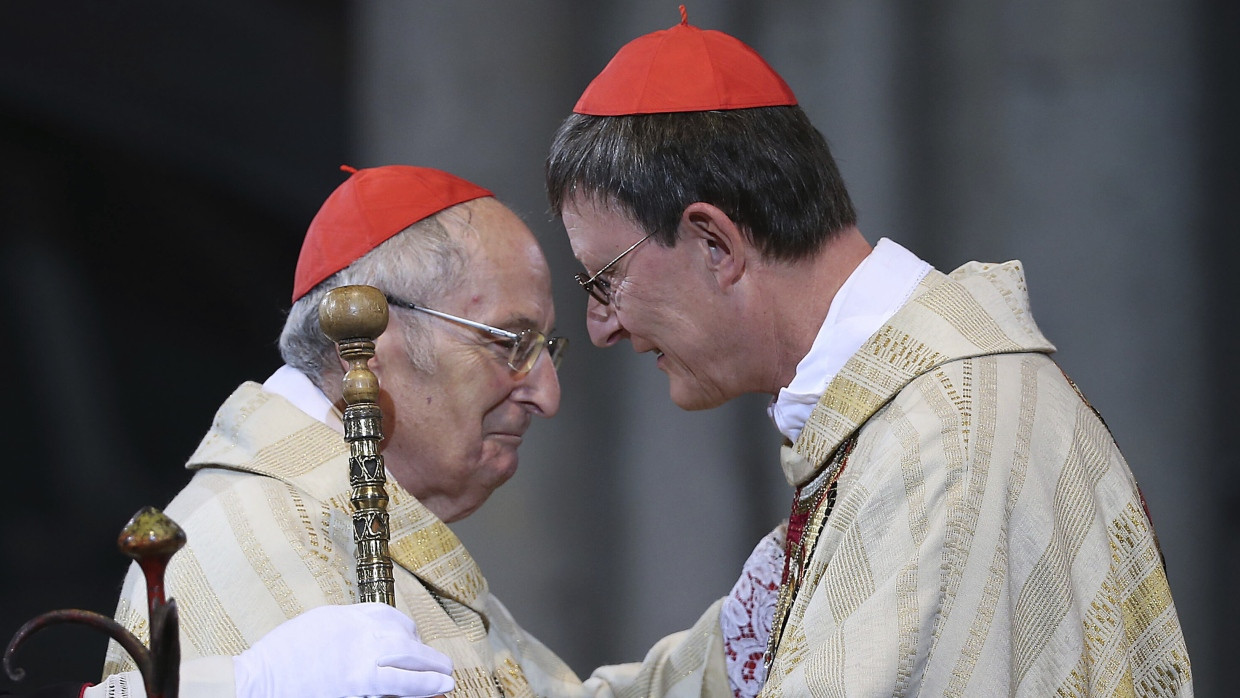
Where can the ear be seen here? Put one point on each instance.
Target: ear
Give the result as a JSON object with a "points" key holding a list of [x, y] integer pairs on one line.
{"points": [[724, 247], [385, 343]]}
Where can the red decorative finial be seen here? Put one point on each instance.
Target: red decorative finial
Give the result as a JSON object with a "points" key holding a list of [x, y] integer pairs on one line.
{"points": [[684, 16], [350, 170]]}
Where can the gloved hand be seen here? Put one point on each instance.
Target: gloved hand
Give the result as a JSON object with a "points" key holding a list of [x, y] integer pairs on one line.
{"points": [[368, 649]]}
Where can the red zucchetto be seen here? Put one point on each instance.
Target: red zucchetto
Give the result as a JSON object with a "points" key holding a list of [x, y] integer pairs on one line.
{"points": [[371, 206], [684, 69]]}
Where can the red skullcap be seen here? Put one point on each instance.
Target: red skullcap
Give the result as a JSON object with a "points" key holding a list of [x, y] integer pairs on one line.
{"points": [[684, 69], [371, 206]]}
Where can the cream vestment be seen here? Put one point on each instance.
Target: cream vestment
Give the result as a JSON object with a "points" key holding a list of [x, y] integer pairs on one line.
{"points": [[270, 536], [986, 538]]}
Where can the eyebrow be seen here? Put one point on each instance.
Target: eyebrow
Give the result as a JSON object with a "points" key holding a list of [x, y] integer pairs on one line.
{"points": [[522, 321]]}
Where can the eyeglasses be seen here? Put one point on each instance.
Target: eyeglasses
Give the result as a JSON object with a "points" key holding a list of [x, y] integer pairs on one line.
{"points": [[598, 287], [523, 346]]}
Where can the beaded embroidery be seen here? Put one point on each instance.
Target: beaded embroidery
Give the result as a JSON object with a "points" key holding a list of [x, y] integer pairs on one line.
{"points": [[811, 506]]}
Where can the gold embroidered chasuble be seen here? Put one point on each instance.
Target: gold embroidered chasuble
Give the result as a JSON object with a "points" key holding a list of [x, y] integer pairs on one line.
{"points": [[270, 536], [987, 537]]}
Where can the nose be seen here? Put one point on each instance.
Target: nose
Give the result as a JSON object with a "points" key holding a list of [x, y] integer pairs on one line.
{"points": [[603, 324], [540, 388]]}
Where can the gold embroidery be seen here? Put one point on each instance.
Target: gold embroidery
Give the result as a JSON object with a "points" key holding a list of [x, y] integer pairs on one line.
{"points": [[512, 680], [1047, 595], [912, 472], [118, 660], [255, 552], [474, 681], [299, 453], [943, 396], [204, 620], [1130, 628], [907, 613], [961, 310], [970, 653], [815, 499], [855, 578]]}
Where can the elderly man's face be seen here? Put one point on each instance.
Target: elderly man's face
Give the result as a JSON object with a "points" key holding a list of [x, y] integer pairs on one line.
{"points": [[663, 300], [453, 433]]}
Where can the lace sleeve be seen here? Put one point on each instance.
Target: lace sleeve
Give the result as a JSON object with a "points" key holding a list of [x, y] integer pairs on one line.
{"points": [[747, 613]]}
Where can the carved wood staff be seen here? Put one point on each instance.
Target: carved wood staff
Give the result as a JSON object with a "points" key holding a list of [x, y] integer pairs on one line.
{"points": [[353, 317]]}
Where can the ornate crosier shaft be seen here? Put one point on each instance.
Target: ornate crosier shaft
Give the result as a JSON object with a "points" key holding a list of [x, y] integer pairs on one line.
{"points": [[353, 317], [151, 539]]}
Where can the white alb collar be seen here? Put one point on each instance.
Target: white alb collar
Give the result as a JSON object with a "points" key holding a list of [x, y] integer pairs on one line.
{"points": [[294, 386], [877, 288]]}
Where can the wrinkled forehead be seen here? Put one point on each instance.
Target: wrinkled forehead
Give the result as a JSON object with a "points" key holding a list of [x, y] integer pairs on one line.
{"points": [[506, 271]]}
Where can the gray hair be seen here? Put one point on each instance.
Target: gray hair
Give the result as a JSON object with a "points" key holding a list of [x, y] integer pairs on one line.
{"points": [[420, 264]]}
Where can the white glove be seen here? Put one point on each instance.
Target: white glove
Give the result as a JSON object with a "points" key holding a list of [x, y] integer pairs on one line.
{"points": [[368, 649]]}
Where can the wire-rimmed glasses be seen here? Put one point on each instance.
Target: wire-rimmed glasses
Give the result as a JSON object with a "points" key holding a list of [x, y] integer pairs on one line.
{"points": [[523, 347], [598, 287]]}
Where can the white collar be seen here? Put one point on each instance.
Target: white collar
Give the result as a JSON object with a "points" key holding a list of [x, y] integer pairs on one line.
{"points": [[294, 386], [877, 288]]}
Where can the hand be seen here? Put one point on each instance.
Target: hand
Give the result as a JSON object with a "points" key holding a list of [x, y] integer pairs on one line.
{"points": [[368, 649]]}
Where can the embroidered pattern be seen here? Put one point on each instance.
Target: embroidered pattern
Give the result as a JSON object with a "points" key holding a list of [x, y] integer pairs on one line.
{"points": [[810, 508], [747, 614]]}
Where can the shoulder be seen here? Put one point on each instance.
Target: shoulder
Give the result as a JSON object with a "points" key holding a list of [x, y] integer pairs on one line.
{"points": [[250, 534], [991, 422], [981, 395]]}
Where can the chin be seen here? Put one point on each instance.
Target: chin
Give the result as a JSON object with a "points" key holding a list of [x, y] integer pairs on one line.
{"points": [[463, 512], [693, 400], [502, 469]]}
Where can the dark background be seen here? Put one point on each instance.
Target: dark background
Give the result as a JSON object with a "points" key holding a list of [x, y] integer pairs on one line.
{"points": [[159, 163]]}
